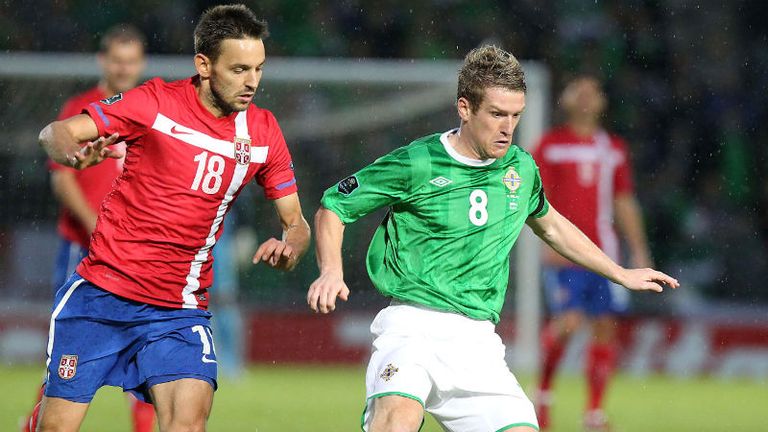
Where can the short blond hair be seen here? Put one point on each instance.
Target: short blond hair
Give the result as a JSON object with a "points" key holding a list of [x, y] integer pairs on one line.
{"points": [[485, 67]]}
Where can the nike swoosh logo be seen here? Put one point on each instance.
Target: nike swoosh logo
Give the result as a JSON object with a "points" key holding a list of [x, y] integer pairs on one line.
{"points": [[179, 132], [207, 360]]}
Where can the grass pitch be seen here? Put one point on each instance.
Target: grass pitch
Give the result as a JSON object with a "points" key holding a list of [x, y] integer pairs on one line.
{"points": [[329, 399]]}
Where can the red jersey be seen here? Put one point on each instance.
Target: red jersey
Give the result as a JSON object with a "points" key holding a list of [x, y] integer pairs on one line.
{"points": [[582, 176], [183, 168], [95, 182]]}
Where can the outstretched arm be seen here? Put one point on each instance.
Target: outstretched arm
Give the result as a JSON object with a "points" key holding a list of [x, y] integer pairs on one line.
{"points": [[329, 234], [568, 241], [630, 222], [285, 254], [61, 140]]}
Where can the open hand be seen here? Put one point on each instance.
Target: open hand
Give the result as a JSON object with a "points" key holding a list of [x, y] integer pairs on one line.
{"points": [[94, 152], [646, 279]]}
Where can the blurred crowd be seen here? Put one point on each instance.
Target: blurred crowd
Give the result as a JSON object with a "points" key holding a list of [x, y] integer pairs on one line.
{"points": [[686, 82]]}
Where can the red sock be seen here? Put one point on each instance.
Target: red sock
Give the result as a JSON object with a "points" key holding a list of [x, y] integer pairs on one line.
{"points": [[601, 360], [31, 423], [143, 415], [553, 348]]}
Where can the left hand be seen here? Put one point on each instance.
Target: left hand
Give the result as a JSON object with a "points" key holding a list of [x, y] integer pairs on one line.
{"points": [[277, 254], [646, 279], [93, 152]]}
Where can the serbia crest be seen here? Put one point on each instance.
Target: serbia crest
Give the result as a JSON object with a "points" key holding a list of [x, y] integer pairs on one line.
{"points": [[242, 150], [67, 366]]}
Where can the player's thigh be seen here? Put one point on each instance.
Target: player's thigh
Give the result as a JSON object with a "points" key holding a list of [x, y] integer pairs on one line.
{"points": [[86, 345], [397, 383], [60, 415], [395, 413], [472, 412], [180, 346], [182, 405]]}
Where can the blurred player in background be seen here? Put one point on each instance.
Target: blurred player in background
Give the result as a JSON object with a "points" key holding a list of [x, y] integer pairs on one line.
{"points": [[458, 201], [134, 313], [80, 192], [588, 178]]}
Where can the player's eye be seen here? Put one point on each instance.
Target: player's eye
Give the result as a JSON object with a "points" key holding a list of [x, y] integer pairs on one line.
{"points": [[238, 70]]}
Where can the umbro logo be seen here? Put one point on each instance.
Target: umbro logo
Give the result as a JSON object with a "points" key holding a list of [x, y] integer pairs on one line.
{"points": [[179, 132], [441, 181]]}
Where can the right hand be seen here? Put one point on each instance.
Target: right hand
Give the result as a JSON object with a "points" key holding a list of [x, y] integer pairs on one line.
{"points": [[322, 294], [646, 279], [94, 152]]}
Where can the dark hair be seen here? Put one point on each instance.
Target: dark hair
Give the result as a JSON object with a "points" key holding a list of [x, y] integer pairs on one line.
{"points": [[226, 22], [121, 33], [488, 66]]}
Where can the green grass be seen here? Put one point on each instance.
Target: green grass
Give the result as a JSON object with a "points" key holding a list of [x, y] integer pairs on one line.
{"points": [[286, 399]]}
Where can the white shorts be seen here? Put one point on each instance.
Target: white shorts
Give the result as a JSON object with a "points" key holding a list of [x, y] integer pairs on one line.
{"points": [[451, 364]]}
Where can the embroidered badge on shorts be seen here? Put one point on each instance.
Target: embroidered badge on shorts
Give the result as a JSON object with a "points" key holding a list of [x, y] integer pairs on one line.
{"points": [[67, 366], [389, 372]]}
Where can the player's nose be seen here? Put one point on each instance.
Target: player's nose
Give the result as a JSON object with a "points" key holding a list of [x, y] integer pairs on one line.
{"points": [[252, 79]]}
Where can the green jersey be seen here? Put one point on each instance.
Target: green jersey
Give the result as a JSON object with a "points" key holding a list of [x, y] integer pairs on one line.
{"points": [[446, 240]]}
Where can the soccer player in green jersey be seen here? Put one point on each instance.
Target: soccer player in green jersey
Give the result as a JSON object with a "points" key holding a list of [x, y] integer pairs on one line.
{"points": [[457, 201]]}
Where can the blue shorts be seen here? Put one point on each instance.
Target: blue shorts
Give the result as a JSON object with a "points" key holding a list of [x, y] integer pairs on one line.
{"points": [[97, 338], [568, 289], [69, 256]]}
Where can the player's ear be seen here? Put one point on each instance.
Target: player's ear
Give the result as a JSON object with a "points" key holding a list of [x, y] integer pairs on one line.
{"points": [[464, 108], [203, 65]]}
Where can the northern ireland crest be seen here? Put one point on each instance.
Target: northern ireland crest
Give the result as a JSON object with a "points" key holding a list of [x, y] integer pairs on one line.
{"points": [[67, 366], [243, 150], [389, 372], [512, 180]]}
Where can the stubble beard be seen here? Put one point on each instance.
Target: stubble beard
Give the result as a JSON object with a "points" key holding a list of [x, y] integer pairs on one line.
{"points": [[221, 103]]}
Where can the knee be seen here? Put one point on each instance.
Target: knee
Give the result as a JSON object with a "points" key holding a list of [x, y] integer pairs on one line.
{"points": [[569, 324], [604, 331], [176, 425]]}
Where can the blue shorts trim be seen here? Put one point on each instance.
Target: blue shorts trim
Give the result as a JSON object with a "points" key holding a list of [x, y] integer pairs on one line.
{"points": [[568, 289], [97, 338]]}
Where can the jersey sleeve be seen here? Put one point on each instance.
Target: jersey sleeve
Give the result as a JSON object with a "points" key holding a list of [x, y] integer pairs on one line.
{"points": [[622, 177], [380, 184], [128, 114], [538, 205], [277, 176]]}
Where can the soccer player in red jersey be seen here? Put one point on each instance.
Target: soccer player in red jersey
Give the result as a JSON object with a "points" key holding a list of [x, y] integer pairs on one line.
{"points": [[134, 313], [591, 169], [121, 58]]}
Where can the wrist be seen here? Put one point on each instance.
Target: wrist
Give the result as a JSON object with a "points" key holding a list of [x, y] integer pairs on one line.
{"points": [[332, 271], [619, 275]]}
